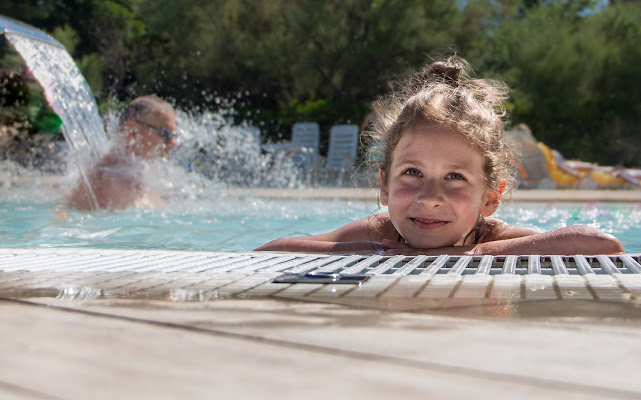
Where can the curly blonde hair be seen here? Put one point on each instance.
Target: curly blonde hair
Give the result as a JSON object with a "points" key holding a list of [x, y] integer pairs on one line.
{"points": [[442, 93]]}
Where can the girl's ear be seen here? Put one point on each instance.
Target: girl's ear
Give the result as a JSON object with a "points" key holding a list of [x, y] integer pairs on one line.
{"points": [[384, 191], [493, 199]]}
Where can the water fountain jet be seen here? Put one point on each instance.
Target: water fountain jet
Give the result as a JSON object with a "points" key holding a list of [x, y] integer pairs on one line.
{"points": [[65, 88]]}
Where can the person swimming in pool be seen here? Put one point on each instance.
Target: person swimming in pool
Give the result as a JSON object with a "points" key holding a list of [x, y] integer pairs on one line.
{"points": [[444, 169], [147, 131]]}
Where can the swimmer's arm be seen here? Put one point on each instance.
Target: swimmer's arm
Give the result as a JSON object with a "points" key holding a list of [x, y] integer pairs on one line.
{"points": [[570, 240], [79, 198], [110, 190], [355, 237]]}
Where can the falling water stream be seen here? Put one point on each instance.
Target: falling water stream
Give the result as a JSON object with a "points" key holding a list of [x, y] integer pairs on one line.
{"points": [[66, 91]]}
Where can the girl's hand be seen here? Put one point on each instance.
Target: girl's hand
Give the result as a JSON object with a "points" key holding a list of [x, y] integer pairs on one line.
{"points": [[393, 244], [394, 248], [359, 247]]}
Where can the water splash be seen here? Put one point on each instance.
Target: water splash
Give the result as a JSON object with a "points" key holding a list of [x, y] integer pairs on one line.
{"points": [[230, 155], [212, 155]]}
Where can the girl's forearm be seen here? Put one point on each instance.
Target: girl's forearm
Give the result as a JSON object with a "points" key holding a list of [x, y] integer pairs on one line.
{"points": [[316, 246], [570, 240]]}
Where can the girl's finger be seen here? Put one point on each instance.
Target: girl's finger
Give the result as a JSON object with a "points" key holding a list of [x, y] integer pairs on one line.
{"points": [[391, 243]]}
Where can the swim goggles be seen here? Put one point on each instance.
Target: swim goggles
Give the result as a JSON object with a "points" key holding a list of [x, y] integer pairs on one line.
{"points": [[166, 133]]}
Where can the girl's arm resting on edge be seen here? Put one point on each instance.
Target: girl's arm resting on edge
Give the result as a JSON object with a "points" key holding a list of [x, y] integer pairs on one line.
{"points": [[355, 237], [570, 240], [310, 245]]}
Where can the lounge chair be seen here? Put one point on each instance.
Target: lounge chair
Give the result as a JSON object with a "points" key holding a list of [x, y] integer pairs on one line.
{"points": [[613, 177], [343, 147], [306, 134], [584, 175], [561, 174], [302, 150], [305, 139]]}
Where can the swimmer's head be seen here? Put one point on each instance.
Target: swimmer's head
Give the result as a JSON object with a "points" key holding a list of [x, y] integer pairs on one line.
{"points": [[149, 126]]}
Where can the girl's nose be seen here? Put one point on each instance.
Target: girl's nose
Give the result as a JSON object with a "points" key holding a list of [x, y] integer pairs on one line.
{"points": [[430, 195]]}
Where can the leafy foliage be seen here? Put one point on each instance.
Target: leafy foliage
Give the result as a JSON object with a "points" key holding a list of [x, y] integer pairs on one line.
{"points": [[571, 64], [573, 77]]}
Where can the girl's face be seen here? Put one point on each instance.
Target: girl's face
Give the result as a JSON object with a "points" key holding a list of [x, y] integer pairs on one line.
{"points": [[436, 189]]}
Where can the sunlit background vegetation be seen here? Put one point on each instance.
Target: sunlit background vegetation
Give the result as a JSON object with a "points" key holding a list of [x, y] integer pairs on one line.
{"points": [[573, 65]]}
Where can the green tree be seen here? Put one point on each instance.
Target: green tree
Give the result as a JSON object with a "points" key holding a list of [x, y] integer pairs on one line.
{"points": [[619, 83], [571, 63], [563, 65], [327, 60]]}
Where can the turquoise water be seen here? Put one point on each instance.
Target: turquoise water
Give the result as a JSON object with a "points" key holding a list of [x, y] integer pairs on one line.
{"points": [[241, 224]]}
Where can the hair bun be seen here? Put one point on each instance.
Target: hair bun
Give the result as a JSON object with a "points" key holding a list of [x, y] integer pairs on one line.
{"points": [[446, 71]]}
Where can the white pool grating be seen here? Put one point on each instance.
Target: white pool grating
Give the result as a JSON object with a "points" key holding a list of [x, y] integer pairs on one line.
{"points": [[90, 260], [398, 282]]}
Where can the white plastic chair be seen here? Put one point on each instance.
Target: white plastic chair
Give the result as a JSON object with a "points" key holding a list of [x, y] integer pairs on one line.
{"points": [[343, 145], [341, 155], [302, 151], [307, 135], [305, 148]]}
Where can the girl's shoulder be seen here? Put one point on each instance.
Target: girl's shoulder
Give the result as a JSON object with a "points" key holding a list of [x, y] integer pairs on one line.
{"points": [[375, 227], [380, 227], [492, 229]]}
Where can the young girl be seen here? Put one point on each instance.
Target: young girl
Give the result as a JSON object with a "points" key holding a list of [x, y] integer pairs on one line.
{"points": [[444, 168]]}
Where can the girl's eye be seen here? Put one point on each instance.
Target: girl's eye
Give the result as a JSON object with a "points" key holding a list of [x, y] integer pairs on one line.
{"points": [[455, 176], [412, 171]]}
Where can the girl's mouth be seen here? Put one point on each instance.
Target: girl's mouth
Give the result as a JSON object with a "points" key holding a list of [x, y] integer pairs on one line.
{"points": [[427, 223]]}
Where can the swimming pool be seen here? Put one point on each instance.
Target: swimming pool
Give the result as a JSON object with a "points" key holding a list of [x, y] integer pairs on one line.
{"points": [[114, 315], [228, 222]]}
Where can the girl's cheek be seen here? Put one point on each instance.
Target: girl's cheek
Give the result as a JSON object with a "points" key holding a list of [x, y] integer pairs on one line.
{"points": [[456, 193], [403, 190], [462, 199]]}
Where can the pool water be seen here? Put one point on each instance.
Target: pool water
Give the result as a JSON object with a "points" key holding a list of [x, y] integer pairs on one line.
{"points": [[238, 224]]}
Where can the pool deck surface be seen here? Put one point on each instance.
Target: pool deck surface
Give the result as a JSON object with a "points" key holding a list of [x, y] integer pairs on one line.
{"points": [[56, 349], [144, 325]]}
